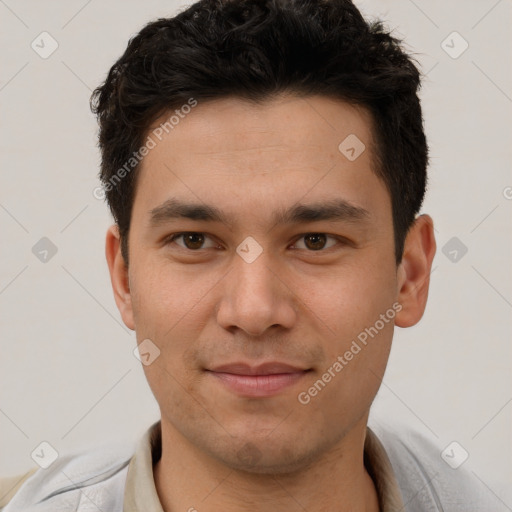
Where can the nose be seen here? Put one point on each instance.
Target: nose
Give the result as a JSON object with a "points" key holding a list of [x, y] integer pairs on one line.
{"points": [[256, 297]]}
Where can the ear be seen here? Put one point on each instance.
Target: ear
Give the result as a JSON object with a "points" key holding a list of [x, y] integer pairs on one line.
{"points": [[119, 276], [414, 271]]}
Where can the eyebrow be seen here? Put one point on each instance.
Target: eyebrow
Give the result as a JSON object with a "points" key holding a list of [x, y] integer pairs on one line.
{"points": [[333, 210]]}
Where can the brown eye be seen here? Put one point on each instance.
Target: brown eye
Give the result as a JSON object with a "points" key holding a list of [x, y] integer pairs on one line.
{"points": [[191, 240], [318, 242], [315, 241]]}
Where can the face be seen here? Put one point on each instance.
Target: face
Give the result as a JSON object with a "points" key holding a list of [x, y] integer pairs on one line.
{"points": [[273, 322]]}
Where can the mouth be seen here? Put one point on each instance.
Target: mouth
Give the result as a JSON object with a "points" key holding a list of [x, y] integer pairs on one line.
{"points": [[260, 381]]}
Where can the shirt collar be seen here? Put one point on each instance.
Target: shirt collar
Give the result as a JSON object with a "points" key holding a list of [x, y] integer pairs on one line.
{"points": [[140, 492]]}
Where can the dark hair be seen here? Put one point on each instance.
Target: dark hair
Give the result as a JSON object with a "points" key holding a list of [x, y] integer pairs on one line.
{"points": [[254, 49]]}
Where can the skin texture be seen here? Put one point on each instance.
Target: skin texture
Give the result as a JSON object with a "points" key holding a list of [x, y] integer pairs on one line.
{"points": [[205, 307]]}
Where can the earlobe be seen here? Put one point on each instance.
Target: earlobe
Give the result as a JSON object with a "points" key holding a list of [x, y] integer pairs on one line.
{"points": [[414, 271], [119, 276]]}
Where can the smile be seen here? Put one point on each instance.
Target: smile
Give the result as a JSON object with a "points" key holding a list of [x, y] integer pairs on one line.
{"points": [[261, 383]]}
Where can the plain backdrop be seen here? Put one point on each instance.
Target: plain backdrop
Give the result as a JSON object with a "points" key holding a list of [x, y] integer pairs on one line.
{"points": [[68, 373]]}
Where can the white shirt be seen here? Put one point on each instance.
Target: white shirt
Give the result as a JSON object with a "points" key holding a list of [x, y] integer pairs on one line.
{"points": [[408, 471]]}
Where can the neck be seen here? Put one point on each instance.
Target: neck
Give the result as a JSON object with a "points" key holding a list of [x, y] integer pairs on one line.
{"points": [[188, 479]]}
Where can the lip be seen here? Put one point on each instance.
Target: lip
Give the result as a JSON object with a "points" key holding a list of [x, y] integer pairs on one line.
{"points": [[263, 380], [268, 368]]}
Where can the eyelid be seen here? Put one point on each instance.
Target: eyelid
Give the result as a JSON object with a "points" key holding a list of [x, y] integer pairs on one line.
{"points": [[327, 235], [174, 236]]}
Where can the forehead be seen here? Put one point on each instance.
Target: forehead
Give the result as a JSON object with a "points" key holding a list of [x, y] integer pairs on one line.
{"points": [[228, 125], [272, 152]]}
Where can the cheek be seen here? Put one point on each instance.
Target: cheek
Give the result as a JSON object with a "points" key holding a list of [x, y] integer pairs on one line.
{"points": [[171, 308], [358, 306], [165, 297], [350, 380], [352, 297]]}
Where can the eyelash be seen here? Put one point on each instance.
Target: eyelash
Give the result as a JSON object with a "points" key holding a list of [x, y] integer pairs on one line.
{"points": [[170, 239]]}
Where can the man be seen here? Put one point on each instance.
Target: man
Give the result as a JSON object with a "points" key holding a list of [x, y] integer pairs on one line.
{"points": [[265, 162]]}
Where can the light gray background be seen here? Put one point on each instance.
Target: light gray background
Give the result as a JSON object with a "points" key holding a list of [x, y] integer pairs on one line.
{"points": [[68, 374]]}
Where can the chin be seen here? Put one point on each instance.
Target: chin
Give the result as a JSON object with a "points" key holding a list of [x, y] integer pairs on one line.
{"points": [[265, 458]]}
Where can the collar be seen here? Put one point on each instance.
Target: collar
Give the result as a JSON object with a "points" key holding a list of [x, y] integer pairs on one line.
{"points": [[140, 492]]}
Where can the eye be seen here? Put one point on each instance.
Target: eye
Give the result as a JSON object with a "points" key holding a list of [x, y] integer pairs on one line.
{"points": [[316, 241], [192, 240]]}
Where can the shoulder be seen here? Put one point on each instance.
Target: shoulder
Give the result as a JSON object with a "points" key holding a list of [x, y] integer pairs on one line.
{"points": [[101, 472], [10, 485], [433, 477]]}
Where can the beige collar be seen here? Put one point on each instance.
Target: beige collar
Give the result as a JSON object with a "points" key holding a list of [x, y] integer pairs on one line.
{"points": [[140, 492]]}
